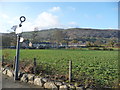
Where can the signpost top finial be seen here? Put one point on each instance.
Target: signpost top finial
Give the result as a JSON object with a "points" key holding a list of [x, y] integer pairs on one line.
{"points": [[22, 19]]}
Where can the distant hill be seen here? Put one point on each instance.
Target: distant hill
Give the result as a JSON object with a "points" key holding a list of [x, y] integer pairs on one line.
{"points": [[75, 33], [80, 34]]}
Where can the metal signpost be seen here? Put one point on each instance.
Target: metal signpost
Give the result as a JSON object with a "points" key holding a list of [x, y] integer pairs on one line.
{"points": [[22, 19]]}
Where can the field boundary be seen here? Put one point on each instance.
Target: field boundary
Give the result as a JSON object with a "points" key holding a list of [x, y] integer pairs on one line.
{"points": [[40, 81]]}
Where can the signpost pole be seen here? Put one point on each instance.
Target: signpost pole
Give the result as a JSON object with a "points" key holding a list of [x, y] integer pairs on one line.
{"points": [[17, 58], [22, 19]]}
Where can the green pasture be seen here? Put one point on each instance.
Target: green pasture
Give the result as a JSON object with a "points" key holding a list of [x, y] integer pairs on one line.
{"points": [[101, 66]]}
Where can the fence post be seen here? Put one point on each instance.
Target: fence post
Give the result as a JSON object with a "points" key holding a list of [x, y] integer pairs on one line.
{"points": [[2, 60], [70, 71], [14, 62], [35, 65]]}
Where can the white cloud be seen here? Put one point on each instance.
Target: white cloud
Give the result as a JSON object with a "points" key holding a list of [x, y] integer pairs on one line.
{"points": [[47, 20], [5, 16], [28, 26], [55, 9], [44, 20], [13, 20], [10, 22]]}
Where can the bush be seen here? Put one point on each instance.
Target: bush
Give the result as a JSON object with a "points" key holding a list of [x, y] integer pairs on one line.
{"points": [[105, 48], [94, 48]]}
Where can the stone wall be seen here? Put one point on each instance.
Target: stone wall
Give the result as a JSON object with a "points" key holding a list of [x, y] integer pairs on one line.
{"points": [[41, 81]]}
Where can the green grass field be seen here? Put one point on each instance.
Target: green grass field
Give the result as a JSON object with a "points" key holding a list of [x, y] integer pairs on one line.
{"points": [[100, 66]]}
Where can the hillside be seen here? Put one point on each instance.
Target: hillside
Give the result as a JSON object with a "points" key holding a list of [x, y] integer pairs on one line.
{"points": [[74, 33], [80, 34]]}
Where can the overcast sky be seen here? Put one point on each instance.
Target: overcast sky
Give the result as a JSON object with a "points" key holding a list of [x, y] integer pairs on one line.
{"points": [[44, 15]]}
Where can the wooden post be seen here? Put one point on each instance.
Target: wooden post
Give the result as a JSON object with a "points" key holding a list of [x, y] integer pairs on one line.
{"points": [[14, 62], [70, 71], [2, 60], [35, 65]]}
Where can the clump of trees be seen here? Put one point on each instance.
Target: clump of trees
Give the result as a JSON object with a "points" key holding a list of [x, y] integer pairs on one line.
{"points": [[9, 40]]}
